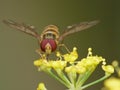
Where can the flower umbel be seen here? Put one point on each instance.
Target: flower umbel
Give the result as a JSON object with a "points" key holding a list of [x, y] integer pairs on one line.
{"points": [[72, 72]]}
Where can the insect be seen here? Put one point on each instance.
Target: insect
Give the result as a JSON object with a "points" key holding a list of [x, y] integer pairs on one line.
{"points": [[50, 38]]}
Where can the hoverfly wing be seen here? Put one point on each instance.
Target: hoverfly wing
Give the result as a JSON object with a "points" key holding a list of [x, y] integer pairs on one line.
{"points": [[22, 27], [76, 28]]}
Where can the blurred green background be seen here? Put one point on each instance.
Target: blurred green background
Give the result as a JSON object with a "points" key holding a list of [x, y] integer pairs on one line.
{"points": [[17, 50]]}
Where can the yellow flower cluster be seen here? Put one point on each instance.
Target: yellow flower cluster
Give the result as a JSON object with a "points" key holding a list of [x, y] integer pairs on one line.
{"points": [[75, 70], [88, 63]]}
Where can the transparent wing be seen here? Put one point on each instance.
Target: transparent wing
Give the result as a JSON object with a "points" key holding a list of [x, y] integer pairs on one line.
{"points": [[76, 28], [22, 27]]}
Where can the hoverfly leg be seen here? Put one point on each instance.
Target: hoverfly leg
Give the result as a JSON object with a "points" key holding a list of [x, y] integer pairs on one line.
{"points": [[63, 45], [38, 51]]}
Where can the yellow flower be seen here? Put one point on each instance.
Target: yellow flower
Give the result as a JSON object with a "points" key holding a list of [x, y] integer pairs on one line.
{"points": [[108, 69], [39, 62], [117, 67], [42, 64], [58, 64], [41, 86], [72, 56], [70, 69], [115, 63], [112, 84], [90, 62], [80, 69]]}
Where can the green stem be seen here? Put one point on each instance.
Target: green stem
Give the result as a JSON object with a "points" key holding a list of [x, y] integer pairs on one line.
{"points": [[57, 78], [94, 82], [72, 77], [74, 88], [80, 77], [83, 77], [63, 77]]}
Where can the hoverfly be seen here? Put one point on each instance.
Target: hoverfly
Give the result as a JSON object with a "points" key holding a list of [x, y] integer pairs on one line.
{"points": [[50, 38]]}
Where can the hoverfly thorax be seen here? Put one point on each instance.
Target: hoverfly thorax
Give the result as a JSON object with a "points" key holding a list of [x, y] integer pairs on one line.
{"points": [[49, 39], [50, 32]]}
